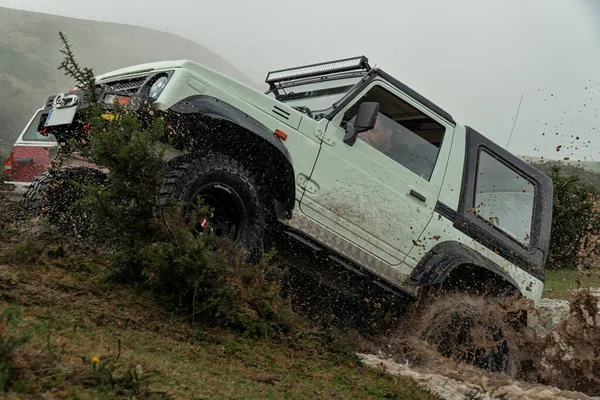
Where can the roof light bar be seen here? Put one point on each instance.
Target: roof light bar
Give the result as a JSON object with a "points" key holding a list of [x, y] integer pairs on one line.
{"points": [[348, 64]]}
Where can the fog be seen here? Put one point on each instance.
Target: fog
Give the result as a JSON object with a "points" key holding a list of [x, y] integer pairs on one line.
{"points": [[473, 58]]}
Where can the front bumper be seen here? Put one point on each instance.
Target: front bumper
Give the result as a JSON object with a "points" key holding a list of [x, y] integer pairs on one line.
{"points": [[133, 89]]}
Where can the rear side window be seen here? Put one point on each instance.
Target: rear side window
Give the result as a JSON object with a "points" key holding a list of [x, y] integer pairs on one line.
{"points": [[504, 198], [32, 135]]}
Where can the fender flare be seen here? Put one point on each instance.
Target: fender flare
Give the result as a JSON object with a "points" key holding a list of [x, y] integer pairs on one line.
{"points": [[435, 267], [217, 109]]}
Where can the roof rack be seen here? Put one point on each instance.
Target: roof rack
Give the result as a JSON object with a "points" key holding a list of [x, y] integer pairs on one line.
{"points": [[306, 71]]}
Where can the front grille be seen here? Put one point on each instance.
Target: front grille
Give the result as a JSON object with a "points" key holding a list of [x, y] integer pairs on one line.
{"points": [[128, 85], [131, 85]]}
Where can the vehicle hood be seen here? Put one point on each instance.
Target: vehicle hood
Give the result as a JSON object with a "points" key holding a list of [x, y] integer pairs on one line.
{"points": [[142, 68]]}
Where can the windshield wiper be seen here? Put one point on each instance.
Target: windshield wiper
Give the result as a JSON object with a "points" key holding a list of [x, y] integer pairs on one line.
{"points": [[314, 93]]}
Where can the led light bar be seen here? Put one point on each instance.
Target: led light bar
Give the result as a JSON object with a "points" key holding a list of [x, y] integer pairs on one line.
{"points": [[349, 64]]}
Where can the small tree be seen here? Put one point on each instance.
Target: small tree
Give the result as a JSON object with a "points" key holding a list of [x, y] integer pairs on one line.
{"points": [[133, 154], [156, 246]]}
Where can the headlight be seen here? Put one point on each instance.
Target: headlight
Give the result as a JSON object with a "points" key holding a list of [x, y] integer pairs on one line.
{"points": [[157, 87]]}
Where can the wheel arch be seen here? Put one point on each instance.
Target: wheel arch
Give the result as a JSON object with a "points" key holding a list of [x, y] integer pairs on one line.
{"points": [[201, 123], [446, 262]]}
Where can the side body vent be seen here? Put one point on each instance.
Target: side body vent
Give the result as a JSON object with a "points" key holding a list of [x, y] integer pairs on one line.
{"points": [[281, 113]]}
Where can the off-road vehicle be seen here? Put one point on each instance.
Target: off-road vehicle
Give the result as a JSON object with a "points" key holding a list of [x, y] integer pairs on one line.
{"points": [[29, 157], [346, 160]]}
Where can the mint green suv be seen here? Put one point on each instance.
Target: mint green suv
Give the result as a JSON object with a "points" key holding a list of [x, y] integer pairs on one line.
{"points": [[347, 161]]}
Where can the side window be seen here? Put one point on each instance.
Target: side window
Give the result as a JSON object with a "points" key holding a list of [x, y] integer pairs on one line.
{"points": [[504, 198], [401, 132]]}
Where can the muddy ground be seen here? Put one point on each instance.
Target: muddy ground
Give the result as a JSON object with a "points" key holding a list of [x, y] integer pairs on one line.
{"points": [[557, 356]]}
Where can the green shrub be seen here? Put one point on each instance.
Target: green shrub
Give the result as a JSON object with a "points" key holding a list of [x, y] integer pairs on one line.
{"points": [[132, 152], [217, 287], [207, 281], [123, 207], [574, 220]]}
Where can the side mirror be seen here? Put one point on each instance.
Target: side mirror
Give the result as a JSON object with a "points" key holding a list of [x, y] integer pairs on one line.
{"points": [[364, 121]]}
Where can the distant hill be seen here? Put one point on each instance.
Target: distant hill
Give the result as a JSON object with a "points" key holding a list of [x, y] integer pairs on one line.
{"points": [[29, 57]]}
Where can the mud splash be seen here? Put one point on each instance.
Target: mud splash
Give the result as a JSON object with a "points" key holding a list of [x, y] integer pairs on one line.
{"points": [[570, 353], [452, 336]]}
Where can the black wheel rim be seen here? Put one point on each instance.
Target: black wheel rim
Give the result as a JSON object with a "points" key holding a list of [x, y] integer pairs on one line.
{"points": [[227, 212]]}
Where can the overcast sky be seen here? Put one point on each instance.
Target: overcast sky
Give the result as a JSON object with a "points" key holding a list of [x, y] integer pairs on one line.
{"points": [[474, 58]]}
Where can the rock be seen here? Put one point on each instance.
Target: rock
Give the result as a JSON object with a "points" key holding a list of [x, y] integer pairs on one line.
{"points": [[477, 386], [552, 311]]}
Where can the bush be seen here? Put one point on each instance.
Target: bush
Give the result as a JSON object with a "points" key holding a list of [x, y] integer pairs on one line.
{"points": [[123, 207], [213, 285], [574, 221], [205, 280]]}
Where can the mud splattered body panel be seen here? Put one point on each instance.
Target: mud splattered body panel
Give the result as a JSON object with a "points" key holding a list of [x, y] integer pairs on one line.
{"points": [[369, 196]]}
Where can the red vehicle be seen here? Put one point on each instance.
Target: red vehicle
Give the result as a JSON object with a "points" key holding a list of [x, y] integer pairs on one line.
{"points": [[30, 156]]}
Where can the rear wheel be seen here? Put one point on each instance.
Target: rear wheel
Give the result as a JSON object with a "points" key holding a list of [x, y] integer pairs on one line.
{"points": [[228, 189], [54, 193], [468, 329]]}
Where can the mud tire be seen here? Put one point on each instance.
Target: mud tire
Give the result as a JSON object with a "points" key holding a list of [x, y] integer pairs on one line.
{"points": [[221, 179], [456, 330], [52, 195]]}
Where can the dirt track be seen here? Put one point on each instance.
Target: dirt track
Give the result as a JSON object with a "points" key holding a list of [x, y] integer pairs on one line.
{"points": [[565, 352], [478, 386]]}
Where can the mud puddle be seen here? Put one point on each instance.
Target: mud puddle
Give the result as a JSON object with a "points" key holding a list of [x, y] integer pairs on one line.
{"points": [[556, 356]]}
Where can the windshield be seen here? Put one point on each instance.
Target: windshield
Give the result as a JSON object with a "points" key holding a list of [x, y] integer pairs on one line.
{"points": [[317, 97]]}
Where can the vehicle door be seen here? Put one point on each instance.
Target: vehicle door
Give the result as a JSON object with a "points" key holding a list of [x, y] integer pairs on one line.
{"points": [[380, 192]]}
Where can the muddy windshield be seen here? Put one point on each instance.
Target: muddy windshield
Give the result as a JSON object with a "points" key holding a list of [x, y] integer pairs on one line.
{"points": [[317, 97]]}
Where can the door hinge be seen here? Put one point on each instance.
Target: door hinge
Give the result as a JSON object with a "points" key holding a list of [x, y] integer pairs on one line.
{"points": [[302, 181], [311, 188], [329, 140], [319, 132], [307, 184]]}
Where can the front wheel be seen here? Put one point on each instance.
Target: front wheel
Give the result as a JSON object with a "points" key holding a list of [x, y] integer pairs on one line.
{"points": [[228, 189]]}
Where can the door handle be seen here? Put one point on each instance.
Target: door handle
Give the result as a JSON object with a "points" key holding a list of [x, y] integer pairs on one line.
{"points": [[417, 195]]}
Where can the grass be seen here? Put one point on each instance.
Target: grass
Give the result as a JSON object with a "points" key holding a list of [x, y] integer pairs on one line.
{"points": [[73, 316], [560, 282]]}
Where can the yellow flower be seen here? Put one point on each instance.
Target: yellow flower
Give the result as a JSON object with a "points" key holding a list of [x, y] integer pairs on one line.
{"points": [[95, 360]]}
